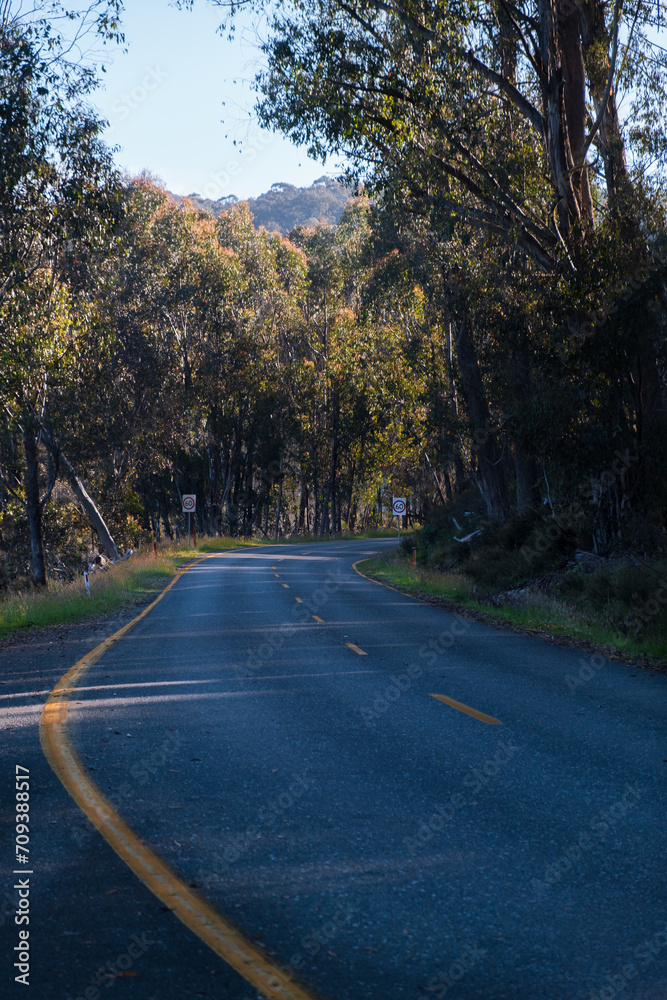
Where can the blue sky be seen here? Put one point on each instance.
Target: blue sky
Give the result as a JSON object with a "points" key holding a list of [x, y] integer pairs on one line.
{"points": [[164, 103]]}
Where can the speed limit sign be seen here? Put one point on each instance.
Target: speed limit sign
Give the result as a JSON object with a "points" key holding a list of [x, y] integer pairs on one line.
{"points": [[189, 503], [398, 505]]}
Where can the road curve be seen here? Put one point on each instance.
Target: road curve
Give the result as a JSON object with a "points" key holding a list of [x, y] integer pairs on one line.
{"points": [[386, 800]]}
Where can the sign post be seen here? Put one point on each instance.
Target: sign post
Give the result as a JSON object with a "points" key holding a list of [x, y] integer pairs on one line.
{"points": [[189, 506], [398, 507]]}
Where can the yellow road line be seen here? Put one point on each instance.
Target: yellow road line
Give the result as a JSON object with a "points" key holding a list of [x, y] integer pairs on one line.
{"points": [[355, 567], [213, 929], [355, 649], [318, 619], [467, 709], [299, 600], [441, 697]]}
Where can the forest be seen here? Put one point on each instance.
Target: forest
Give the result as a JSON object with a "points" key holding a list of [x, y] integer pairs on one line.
{"points": [[487, 320], [285, 206]]}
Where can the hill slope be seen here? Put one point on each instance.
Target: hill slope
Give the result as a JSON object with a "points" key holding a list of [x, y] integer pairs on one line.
{"points": [[285, 205]]}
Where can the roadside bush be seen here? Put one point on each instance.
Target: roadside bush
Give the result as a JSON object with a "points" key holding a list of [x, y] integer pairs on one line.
{"points": [[631, 600], [500, 557], [408, 543]]}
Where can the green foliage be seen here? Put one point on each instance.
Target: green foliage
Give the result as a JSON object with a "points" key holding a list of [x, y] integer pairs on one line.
{"points": [[497, 557], [482, 333], [623, 595]]}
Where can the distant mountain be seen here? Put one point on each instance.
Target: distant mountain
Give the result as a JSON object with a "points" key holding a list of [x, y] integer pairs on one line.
{"points": [[286, 206]]}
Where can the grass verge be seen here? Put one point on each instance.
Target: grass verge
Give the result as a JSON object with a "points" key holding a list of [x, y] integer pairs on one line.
{"points": [[121, 585], [542, 613]]}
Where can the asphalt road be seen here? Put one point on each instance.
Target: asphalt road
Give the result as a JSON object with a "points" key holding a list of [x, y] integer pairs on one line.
{"points": [[269, 731]]}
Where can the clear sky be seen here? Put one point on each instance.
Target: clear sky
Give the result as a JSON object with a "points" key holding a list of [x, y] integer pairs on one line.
{"points": [[164, 103]]}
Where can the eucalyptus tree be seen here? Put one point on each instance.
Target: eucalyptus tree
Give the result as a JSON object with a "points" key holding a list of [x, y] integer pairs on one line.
{"points": [[504, 119], [56, 200]]}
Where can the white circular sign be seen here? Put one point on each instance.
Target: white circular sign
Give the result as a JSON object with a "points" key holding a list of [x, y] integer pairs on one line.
{"points": [[398, 505], [189, 502]]}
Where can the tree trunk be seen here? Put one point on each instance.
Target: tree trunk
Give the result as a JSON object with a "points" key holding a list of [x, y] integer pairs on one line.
{"points": [[489, 455], [558, 31], [592, 23], [33, 505], [350, 496], [90, 509], [574, 110], [435, 480], [448, 485], [165, 517], [280, 499], [460, 475], [303, 501], [333, 468], [527, 476], [324, 522]]}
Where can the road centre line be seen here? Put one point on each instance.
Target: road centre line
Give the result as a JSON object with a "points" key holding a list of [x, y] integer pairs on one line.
{"points": [[459, 706], [355, 649], [212, 928]]}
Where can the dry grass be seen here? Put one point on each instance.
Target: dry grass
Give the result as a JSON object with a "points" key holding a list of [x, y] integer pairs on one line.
{"points": [[117, 587], [121, 585], [541, 612]]}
